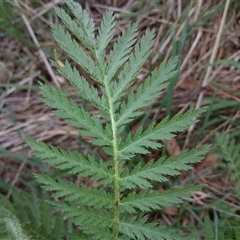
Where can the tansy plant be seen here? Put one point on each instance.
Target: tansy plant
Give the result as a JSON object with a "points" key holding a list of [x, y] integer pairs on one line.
{"points": [[116, 209]]}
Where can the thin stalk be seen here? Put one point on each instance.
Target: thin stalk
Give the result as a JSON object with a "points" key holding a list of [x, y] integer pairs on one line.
{"points": [[116, 165]]}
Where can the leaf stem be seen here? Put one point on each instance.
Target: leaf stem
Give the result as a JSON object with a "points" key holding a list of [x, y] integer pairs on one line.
{"points": [[116, 165]]}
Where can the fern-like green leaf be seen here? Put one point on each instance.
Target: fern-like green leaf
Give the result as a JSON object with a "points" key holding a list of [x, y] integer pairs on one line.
{"points": [[165, 130], [89, 126], [139, 229], [90, 218], [15, 229], [133, 67], [105, 35], [85, 37], [160, 169], [146, 93], [84, 20], [70, 192], [106, 212], [146, 201], [77, 54], [81, 84], [72, 163], [34, 215], [120, 52]]}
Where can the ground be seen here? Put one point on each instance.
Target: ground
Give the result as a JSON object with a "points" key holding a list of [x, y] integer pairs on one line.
{"points": [[205, 35]]}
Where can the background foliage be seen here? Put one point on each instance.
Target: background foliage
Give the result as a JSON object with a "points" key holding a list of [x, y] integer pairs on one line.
{"points": [[185, 28]]}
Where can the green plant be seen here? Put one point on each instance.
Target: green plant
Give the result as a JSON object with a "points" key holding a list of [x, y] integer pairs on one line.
{"points": [[28, 213], [114, 210], [220, 228], [8, 19], [14, 228], [229, 150], [225, 217]]}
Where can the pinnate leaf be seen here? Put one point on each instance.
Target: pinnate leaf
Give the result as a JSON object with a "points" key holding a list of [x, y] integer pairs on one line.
{"points": [[106, 212], [165, 130], [160, 169]]}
